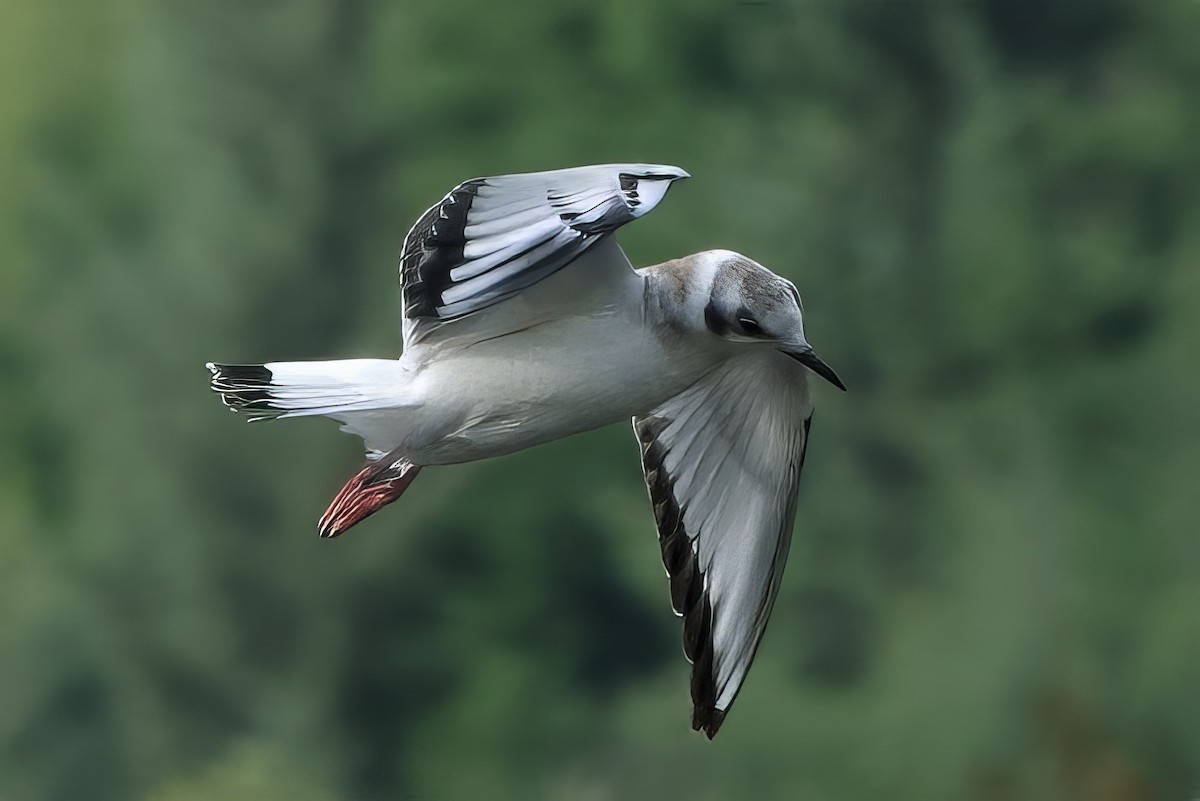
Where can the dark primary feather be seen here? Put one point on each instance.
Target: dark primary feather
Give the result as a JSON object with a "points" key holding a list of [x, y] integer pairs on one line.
{"points": [[432, 248], [689, 599], [490, 238]]}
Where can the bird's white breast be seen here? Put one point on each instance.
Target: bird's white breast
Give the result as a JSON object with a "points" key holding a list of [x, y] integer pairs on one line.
{"points": [[547, 382]]}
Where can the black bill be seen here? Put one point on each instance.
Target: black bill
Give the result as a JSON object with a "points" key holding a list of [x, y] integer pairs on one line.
{"points": [[812, 361]]}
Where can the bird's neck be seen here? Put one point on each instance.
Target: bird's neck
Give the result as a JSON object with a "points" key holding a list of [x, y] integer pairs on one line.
{"points": [[676, 291]]}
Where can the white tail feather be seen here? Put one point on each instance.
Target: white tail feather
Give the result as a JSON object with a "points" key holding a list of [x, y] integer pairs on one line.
{"points": [[356, 392]]}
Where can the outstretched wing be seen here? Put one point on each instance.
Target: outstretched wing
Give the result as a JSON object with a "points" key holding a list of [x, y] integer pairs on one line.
{"points": [[492, 237], [722, 460]]}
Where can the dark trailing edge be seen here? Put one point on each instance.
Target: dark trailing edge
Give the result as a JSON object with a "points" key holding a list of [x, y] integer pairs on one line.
{"points": [[689, 599]]}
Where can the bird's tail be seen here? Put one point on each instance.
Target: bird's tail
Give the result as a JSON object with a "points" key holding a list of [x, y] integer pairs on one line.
{"points": [[364, 394]]}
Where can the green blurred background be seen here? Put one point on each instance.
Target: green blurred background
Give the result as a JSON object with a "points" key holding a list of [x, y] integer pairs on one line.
{"points": [[991, 208]]}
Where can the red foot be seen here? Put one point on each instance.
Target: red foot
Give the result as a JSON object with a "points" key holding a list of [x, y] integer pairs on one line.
{"points": [[374, 487]]}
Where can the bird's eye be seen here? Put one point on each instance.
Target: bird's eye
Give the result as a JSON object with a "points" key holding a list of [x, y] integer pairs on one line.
{"points": [[750, 327]]}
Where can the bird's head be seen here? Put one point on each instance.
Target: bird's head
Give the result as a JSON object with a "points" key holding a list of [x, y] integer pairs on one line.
{"points": [[746, 303]]}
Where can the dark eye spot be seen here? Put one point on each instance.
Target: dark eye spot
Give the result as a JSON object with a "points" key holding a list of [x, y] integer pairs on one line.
{"points": [[714, 321]]}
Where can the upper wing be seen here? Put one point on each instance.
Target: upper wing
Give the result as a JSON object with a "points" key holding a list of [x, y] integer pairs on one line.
{"points": [[492, 237], [722, 461]]}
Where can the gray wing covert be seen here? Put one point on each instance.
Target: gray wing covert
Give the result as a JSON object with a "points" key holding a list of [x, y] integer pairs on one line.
{"points": [[489, 238]]}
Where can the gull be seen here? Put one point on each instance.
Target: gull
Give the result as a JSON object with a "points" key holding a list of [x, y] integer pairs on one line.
{"points": [[524, 322]]}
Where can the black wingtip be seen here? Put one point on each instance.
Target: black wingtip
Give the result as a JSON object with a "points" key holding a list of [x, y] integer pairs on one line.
{"points": [[708, 720]]}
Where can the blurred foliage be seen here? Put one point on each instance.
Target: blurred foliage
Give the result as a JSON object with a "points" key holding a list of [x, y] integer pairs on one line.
{"points": [[991, 207]]}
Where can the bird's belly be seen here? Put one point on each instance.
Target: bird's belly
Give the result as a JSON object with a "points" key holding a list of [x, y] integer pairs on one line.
{"points": [[526, 389]]}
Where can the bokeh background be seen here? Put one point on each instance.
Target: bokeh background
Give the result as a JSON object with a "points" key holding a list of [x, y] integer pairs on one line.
{"points": [[991, 208]]}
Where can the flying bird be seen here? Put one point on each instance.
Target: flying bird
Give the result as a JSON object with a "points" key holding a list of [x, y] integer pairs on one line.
{"points": [[524, 322]]}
